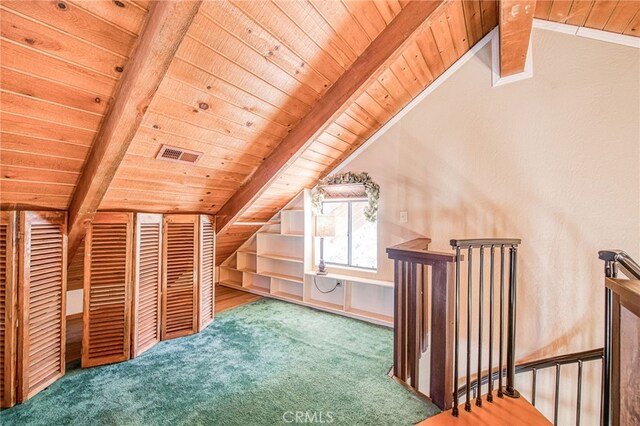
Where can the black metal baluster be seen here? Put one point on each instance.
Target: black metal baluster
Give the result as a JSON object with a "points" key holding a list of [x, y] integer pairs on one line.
{"points": [[500, 394], [511, 326], [579, 397], [456, 342], [467, 404], [490, 393], [557, 396], [480, 294], [533, 387], [605, 403]]}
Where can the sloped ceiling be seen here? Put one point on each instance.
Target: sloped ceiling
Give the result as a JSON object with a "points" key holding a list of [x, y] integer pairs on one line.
{"points": [[60, 64], [244, 75]]}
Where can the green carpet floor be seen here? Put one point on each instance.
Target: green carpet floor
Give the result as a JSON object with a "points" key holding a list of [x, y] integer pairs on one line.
{"points": [[258, 364]]}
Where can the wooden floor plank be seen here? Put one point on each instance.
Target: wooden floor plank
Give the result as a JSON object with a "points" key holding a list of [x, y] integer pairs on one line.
{"points": [[228, 298], [502, 412]]}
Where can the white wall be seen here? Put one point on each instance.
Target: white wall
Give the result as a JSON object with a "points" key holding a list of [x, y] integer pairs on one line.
{"points": [[553, 160]]}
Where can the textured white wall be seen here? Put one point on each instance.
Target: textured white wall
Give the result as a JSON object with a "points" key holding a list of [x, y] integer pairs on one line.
{"points": [[553, 160]]}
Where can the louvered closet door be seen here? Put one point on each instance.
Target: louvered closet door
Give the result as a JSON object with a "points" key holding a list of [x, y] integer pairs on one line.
{"points": [[207, 270], [41, 298], [8, 282], [179, 276], [107, 289], [147, 282]]}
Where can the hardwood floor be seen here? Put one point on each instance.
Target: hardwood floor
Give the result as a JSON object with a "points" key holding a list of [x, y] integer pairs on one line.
{"points": [[502, 412], [228, 298]]}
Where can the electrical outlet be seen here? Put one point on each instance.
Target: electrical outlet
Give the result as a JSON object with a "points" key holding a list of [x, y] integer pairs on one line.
{"points": [[403, 217]]}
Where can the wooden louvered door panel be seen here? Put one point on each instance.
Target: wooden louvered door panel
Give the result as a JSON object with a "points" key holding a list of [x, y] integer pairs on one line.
{"points": [[179, 276], [107, 289], [147, 282], [8, 282], [41, 300], [207, 270]]}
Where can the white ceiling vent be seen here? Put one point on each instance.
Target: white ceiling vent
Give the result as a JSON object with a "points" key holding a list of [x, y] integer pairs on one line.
{"points": [[172, 153]]}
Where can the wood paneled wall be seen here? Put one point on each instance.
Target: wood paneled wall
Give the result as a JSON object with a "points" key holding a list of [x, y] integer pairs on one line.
{"points": [[73, 346], [75, 271]]}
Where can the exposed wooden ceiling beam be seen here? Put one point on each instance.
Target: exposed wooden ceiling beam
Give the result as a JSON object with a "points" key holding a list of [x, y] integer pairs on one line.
{"points": [[516, 21], [366, 67], [166, 25]]}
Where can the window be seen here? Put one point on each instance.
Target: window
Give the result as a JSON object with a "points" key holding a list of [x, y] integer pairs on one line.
{"points": [[356, 240]]}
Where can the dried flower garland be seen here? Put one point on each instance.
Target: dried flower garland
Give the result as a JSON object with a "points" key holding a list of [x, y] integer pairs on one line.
{"points": [[371, 188]]}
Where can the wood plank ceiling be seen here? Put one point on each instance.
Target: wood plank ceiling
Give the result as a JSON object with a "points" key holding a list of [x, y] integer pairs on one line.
{"points": [[61, 61], [242, 78], [444, 38], [620, 17]]}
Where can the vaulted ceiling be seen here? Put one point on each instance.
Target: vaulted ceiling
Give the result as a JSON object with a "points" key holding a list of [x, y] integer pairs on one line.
{"points": [[265, 89]]}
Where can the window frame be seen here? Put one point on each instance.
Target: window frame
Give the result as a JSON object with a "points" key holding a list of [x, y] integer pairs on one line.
{"points": [[349, 264]]}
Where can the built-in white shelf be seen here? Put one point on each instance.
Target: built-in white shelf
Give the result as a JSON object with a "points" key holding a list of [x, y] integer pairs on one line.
{"points": [[334, 306], [285, 277], [257, 282], [279, 257], [363, 280], [368, 314], [273, 263], [248, 251]]}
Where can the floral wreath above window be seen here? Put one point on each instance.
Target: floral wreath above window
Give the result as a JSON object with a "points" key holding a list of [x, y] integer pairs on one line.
{"points": [[331, 185]]}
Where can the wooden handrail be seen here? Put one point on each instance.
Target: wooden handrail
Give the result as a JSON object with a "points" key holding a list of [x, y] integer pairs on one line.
{"points": [[487, 242], [418, 251]]}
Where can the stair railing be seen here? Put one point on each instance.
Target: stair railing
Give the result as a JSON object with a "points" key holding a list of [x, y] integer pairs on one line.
{"points": [[615, 261], [412, 310], [497, 248], [555, 362]]}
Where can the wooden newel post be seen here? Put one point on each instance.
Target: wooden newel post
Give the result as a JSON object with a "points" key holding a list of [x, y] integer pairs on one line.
{"points": [[411, 314], [442, 311]]}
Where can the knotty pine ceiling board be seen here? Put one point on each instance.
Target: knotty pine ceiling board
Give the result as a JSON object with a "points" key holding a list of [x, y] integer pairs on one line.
{"points": [[432, 49], [60, 63], [242, 78], [620, 17]]}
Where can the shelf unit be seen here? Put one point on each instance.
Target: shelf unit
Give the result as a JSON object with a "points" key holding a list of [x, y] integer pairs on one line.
{"points": [[275, 262]]}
